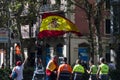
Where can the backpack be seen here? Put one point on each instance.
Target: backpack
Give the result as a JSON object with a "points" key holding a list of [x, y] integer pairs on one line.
{"points": [[13, 74]]}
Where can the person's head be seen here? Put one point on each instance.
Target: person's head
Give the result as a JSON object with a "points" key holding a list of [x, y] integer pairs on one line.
{"points": [[78, 61], [91, 62], [64, 60], [18, 63], [102, 60]]}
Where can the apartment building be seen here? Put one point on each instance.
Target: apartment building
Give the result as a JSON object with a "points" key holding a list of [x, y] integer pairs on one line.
{"points": [[72, 46], [81, 21]]}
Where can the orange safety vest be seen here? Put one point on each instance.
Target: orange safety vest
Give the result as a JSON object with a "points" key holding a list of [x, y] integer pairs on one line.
{"points": [[65, 67]]}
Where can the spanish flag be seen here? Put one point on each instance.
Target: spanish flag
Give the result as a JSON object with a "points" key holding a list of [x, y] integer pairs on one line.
{"points": [[53, 25]]}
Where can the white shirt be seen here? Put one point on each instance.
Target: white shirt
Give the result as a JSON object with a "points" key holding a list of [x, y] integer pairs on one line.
{"points": [[112, 66], [19, 70]]}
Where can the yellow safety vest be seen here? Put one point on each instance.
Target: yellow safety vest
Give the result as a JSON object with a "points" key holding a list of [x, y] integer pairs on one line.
{"points": [[51, 66], [78, 68], [93, 69], [104, 69]]}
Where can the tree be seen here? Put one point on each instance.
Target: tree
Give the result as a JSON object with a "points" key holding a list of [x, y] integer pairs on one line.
{"points": [[3, 13], [93, 12], [12, 17]]}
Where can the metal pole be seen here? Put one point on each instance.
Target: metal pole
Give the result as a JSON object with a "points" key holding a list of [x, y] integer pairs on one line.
{"points": [[8, 45], [69, 46], [36, 59]]}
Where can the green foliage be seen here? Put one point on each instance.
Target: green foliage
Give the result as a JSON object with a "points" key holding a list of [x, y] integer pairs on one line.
{"points": [[4, 74], [27, 73], [3, 13], [16, 7], [58, 1]]}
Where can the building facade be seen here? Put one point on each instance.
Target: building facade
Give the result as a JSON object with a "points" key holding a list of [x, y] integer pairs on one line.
{"points": [[81, 20], [72, 46]]}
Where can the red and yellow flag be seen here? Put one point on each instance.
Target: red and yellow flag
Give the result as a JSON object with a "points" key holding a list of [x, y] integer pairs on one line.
{"points": [[54, 25]]}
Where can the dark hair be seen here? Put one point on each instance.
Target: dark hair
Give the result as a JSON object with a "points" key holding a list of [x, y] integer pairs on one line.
{"points": [[18, 63], [91, 61], [78, 61], [102, 59], [64, 59]]}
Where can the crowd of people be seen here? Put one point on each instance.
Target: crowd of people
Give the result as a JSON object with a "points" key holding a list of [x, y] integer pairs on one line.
{"points": [[65, 71]]}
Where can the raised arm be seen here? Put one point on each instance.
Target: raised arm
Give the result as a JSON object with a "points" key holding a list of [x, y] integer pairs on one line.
{"points": [[25, 60]]}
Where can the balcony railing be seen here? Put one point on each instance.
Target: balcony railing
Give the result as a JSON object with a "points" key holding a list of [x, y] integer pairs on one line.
{"points": [[52, 8]]}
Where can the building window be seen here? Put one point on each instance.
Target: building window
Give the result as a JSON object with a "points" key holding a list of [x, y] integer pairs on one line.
{"points": [[59, 49], [107, 4], [107, 26]]}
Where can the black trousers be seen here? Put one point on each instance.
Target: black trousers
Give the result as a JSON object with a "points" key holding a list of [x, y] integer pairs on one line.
{"points": [[65, 76], [53, 76], [77, 76]]}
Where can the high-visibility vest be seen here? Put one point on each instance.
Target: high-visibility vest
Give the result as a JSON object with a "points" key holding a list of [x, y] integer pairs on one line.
{"points": [[94, 69], [65, 67], [78, 68], [51, 65], [104, 69], [17, 49]]}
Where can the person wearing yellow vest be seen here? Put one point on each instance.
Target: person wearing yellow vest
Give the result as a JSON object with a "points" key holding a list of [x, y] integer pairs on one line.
{"points": [[64, 71], [103, 70], [78, 70], [93, 70], [51, 69]]}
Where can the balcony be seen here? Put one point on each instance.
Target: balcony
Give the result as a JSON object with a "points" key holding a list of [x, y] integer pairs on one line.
{"points": [[52, 8]]}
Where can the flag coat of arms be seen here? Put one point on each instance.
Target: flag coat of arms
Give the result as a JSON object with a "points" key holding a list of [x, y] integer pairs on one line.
{"points": [[53, 25]]}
